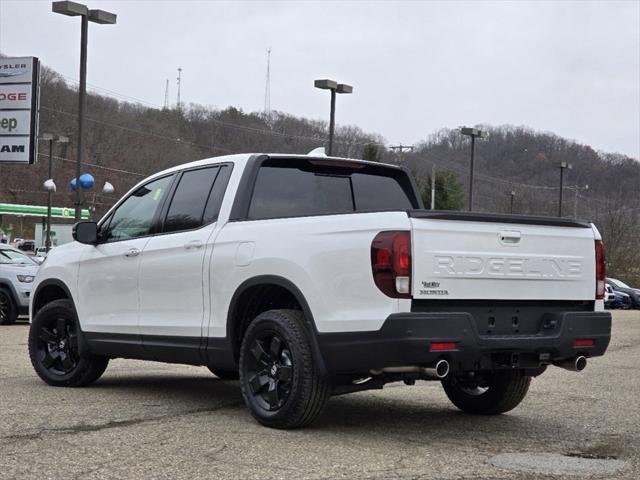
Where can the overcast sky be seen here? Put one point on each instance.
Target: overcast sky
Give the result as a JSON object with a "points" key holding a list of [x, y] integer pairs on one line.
{"points": [[572, 68]]}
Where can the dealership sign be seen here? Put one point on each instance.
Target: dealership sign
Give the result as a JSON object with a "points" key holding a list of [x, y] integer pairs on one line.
{"points": [[19, 105]]}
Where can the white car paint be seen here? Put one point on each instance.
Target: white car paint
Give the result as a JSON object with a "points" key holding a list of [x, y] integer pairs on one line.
{"points": [[169, 289]]}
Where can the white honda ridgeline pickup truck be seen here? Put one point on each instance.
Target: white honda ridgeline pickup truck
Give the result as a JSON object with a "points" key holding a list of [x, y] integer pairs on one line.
{"points": [[307, 277]]}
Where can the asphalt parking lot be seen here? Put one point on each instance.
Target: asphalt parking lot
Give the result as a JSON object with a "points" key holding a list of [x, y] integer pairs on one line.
{"points": [[146, 420]]}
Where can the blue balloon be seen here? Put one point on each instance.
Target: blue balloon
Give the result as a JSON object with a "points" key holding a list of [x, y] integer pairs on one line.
{"points": [[72, 184], [87, 181]]}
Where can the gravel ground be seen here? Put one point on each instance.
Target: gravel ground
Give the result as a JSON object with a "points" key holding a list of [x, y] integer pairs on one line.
{"points": [[146, 420]]}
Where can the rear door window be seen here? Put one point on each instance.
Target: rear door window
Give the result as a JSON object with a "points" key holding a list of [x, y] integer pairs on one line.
{"points": [[291, 192], [190, 199]]}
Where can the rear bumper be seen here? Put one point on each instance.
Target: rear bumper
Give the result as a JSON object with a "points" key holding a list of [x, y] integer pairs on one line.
{"points": [[405, 339]]}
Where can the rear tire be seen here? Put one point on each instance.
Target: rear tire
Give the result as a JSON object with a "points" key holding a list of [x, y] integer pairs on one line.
{"points": [[54, 348], [225, 374], [497, 393], [280, 381], [8, 309]]}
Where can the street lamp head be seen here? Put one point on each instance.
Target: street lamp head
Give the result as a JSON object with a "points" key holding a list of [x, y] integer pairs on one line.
{"points": [[47, 137], [72, 9], [102, 17], [344, 88], [473, 132], [566, 165], [62, 139], [326, 84]]}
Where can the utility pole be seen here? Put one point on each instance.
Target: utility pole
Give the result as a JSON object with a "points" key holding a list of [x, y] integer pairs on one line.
{"points": [[575, 198], [473, 133], [433, 187], [562, 166], [179, 80], [267, 87], [513, 196], [166, 95], [400, 149]]}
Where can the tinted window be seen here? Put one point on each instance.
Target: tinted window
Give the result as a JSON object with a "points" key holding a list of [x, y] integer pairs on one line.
{"points": [[291, 192], [217, 194], [189, 200], [134, 217], [282, 190], [376, 192]]}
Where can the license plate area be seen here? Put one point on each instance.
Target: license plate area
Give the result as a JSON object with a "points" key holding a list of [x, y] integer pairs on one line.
{"points": [[507, 318]]}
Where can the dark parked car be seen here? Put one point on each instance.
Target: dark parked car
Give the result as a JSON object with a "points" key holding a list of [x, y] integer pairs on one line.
{"points": [[634, 293]]}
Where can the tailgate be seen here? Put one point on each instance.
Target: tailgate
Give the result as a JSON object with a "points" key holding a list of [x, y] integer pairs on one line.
{"points": [[501, 257]]}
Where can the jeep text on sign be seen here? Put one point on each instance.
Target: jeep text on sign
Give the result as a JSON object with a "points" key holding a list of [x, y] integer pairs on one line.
{"points": [[15, 122]]}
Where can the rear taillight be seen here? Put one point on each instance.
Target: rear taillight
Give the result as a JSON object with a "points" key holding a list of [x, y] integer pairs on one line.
{"points": [[391, 263], [601, 270]]}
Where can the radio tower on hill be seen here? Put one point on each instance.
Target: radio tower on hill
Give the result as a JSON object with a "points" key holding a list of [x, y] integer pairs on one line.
{"points": [[179, 79], [267, 87], [166, 95]]}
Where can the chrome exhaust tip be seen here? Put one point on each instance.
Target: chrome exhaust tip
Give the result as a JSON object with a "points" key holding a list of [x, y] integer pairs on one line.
{"points": [[577, 364], [439, 370]]}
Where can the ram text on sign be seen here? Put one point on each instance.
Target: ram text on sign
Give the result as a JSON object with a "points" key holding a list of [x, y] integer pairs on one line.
{"points": [[15, 149]]}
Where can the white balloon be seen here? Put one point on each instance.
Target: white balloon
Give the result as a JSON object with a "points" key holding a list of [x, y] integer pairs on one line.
{"points": [[108, 188], [49, 185]]}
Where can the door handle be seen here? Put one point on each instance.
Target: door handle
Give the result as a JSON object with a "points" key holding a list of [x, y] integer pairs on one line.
{"points": [[193, 244], [132, 252]]}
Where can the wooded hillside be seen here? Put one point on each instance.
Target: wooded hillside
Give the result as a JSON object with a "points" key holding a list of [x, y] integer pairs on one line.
{"points": [[127, 141]]}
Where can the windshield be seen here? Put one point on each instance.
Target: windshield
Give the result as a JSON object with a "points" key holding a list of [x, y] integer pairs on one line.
{"points": [[619, 284], [14, 258]]}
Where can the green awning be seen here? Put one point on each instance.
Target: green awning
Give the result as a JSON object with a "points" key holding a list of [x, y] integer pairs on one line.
{"points": [[39, 211]]}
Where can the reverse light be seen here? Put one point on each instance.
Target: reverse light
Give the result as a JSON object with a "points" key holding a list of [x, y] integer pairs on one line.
{"points": [[601, 270], [391, 263]]}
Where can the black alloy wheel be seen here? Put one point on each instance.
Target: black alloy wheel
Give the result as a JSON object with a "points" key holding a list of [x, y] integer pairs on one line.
{"points": [[58, 345], [7, 309], [270, 371]]}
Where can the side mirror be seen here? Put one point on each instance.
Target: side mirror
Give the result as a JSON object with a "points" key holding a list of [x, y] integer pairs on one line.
{"points": [[85, 232]]}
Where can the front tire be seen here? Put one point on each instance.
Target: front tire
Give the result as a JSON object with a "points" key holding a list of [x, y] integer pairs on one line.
{"points": [[280, 381], [491, 394], [8, 310], [54, 341]]}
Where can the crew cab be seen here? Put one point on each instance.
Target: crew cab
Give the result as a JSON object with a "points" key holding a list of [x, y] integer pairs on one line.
{"points": [[309, 276]]}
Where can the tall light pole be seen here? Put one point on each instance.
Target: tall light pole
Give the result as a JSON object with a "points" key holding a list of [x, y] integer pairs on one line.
{"points": [[562, 166], [49, 184], [334, 87], [73, 9], [473, 133], [513, 196]]}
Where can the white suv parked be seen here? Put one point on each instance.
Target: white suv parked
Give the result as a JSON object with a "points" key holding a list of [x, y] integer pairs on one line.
{"points": [[311, 276]]}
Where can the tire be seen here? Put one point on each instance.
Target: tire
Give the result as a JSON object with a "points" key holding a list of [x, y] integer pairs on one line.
{"points": [[8, 309], [225, 374], [500, 392], [54, 341], [280, 381]]}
